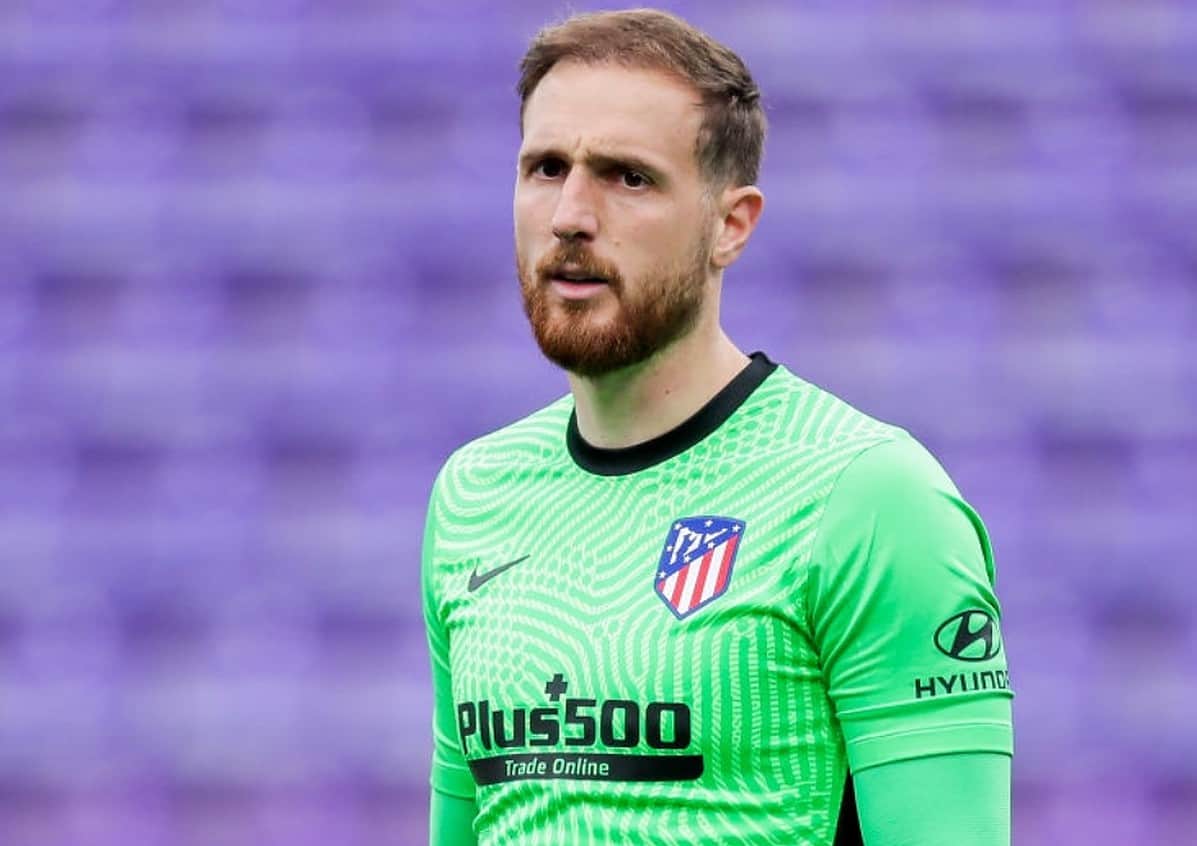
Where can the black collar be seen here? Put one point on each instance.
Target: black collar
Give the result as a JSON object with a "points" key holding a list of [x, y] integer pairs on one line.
{"points": [[619, 462]]}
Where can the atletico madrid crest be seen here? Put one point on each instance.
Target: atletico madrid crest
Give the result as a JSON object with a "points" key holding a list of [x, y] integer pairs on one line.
{"points": [[696, 564]]}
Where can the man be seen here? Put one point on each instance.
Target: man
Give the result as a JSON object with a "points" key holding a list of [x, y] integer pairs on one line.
{"points": [[698, 600]]}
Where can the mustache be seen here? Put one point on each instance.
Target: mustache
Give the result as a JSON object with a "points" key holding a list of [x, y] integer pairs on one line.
{"points": [[579, 257]]}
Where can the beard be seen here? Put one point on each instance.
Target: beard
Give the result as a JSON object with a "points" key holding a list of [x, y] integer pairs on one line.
{"points": [[658, 310]]}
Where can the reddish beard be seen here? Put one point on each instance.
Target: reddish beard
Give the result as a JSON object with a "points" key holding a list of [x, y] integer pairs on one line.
{"points": [[660, 309]]}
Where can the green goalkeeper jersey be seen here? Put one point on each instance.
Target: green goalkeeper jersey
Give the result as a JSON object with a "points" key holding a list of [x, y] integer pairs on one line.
{"points": [[696, 639]]}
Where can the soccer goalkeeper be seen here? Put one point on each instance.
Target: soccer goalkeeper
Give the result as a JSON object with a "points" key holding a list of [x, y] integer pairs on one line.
{"points": [[698, 600]]}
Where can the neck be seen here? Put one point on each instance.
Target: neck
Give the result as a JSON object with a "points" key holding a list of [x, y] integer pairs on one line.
{"points": [[640, 402]]}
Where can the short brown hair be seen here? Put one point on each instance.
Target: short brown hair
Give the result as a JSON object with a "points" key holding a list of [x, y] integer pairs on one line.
{"points": [[731, 138]]}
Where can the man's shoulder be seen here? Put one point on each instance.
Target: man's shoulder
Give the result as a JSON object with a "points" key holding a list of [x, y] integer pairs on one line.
{"points": [[810, 416], [538, 437], [874, 463]]}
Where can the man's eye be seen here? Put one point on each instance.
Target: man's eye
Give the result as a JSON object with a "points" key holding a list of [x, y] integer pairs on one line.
{"points": [[551, 168], [635, 179]]}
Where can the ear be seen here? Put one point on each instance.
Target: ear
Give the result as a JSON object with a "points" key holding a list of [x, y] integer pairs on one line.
{"points": [[739, 209]]}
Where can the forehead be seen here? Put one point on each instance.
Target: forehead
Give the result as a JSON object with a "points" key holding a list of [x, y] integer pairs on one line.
{"points": [[578, 106]]}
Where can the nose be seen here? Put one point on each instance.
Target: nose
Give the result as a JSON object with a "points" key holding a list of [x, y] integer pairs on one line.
{"points": [[576, 216]]}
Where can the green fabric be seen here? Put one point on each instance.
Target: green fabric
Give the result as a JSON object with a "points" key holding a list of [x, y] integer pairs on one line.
{"points": [[563, 680], [450, 775], [898, 554], [451, 821], [946, 800]]}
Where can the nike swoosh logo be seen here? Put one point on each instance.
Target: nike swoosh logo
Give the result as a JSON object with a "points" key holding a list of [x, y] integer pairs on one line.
{"points": [[477, 581]]}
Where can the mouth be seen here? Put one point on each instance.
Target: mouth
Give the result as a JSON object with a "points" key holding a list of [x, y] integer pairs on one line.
{"points": [[571, 276], [576, 284]]}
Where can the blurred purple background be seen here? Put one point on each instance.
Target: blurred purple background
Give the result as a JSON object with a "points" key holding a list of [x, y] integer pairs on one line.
{"points": [[256, 282]]}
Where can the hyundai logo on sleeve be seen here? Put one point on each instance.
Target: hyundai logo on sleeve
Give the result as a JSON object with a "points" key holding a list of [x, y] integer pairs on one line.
{"points": [[969, 636]]}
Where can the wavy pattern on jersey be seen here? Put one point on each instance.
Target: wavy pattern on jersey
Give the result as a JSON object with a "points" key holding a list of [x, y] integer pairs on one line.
{"points": [[583, 605]]}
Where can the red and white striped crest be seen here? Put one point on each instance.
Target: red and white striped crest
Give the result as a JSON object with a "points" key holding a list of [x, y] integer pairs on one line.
{"points": [[696, 563]]}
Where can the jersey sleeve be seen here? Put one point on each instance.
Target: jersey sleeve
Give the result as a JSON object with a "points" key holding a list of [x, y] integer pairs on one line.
{"points": [[451, 820], [902, 610], [944, 800], [450, 774]]}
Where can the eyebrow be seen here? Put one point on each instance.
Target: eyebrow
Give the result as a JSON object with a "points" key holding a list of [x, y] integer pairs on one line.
{"points": [[596, 161]]}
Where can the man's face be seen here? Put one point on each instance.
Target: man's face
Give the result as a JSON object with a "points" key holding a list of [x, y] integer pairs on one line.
{"points": [[612, 225]]}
